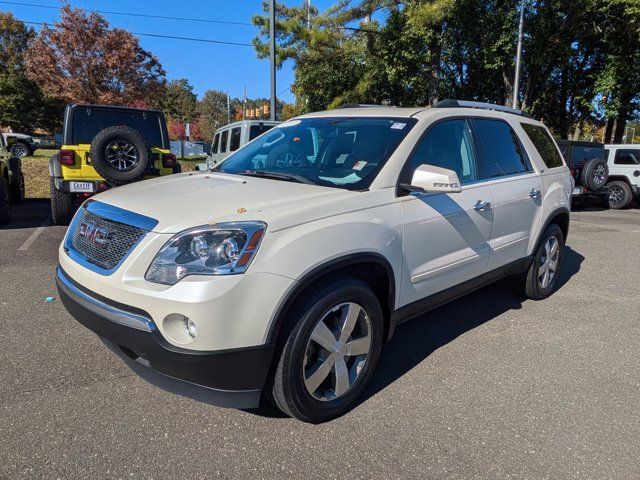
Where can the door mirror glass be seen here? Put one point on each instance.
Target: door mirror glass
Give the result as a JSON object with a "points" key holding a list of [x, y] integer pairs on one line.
{"points": [[429, 178]]}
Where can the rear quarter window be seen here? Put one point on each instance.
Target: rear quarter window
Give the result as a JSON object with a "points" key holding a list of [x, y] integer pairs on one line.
{"points": [[544, 145]]}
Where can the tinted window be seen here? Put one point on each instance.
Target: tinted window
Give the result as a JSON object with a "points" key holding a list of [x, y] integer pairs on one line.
{"points": [[223, 141], [216, 141], [544, 144], [235, 139], [259, 129], [582, 154], [86, 125], [447, 145], [627, 157], [330, 151], [499, 150]]}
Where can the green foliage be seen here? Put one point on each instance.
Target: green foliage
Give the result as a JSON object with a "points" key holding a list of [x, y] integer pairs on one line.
{"points": [[179, 102]]}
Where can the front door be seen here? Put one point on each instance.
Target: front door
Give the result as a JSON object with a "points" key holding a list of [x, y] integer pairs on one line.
{"points": [[446, 236]]}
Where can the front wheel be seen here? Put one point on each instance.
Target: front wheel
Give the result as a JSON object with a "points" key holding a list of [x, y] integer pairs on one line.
{"points": [[331, 352], [542, 276]]}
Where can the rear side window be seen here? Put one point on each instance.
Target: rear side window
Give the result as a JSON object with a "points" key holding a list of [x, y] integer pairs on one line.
{"points": [[258, 129], [87, 122], [544, 145], [498, 148], [627, 157], [235, 139], [223, 141], [216, 141]]}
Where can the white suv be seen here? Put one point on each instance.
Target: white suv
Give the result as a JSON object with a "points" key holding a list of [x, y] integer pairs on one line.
{"points": [[283, 270], [624, 174]]}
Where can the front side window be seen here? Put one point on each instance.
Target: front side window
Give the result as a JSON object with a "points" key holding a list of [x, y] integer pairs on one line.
{"points": [[544, 144], [447, 145], [498, 148], [235, 139], [627, 157], [216, 141], [223, 141], [344, 152]]}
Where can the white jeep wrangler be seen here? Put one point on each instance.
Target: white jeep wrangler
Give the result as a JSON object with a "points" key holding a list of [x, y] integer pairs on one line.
{"points": [[284, 270], [624, 174]]}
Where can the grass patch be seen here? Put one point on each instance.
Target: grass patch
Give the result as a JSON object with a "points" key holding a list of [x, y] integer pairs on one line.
{"points": [[36, 172]]}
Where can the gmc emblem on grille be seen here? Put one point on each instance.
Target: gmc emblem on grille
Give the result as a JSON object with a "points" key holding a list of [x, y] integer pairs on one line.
{"points": [[97, 236]]}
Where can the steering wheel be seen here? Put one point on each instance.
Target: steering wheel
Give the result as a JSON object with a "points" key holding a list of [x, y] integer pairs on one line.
{"points": [[286, 155]]}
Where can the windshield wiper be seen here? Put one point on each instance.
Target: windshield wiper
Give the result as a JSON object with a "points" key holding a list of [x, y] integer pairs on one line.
{"points": [[277, 176]]}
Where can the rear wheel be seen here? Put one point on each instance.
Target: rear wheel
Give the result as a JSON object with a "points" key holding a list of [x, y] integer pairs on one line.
{"points": [[620, 194], [17, 189], [330, 354], [62, 205], [20, 150], [5, 204], [542, 276]]}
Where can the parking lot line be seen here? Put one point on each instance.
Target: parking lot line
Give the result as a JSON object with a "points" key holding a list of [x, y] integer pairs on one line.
{"points": [[34, 236]]}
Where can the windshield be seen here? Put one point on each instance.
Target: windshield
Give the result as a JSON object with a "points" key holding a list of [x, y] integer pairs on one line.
{"points": [[332, 151]]}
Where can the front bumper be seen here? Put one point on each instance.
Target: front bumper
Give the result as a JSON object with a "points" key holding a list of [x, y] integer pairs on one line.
{"points": [[227, 378]]}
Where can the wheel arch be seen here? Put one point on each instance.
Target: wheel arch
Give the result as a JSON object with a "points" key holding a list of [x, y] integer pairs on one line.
{"points": [[372, 268], [618, 178], [561, 217]]}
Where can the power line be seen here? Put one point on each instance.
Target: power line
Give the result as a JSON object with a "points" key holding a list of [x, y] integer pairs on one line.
{"points": [[109, 12], [172, 37]]}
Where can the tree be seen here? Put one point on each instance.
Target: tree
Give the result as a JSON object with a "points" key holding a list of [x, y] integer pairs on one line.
{"points": [[80, 59], [23, 106], [212, 111], [178, 101]]}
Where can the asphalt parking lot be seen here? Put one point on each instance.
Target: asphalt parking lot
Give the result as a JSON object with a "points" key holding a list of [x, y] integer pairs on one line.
{"points": [[490, 386]]}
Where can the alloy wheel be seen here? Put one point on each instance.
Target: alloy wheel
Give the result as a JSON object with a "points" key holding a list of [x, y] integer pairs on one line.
{"points": [[548, 264], [599, 175], [616, 195], [337, 351], [19, 150], [122, 155]]}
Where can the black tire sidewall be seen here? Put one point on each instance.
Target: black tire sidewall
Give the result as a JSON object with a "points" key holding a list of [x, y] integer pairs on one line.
{"points": [[62, 205], [628, 195], [299, 402], [18, 189], [533, 288], [102, 166], [5, 202]]}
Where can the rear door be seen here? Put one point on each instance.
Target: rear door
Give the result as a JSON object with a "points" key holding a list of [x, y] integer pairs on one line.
{"points": [[446, 236], [515, 187]]}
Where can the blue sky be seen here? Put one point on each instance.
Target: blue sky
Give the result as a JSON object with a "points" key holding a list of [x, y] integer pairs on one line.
{"points": [[206, 66]]}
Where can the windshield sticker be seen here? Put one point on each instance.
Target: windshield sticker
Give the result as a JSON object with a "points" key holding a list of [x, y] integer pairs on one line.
{"points": [[398, 126], [360, 164]]}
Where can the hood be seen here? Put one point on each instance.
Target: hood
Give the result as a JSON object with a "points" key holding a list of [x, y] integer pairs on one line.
{"points": [[191, 199]]}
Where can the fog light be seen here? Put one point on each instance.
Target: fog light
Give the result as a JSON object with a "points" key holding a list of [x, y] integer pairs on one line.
{"points": [[190, 325]]}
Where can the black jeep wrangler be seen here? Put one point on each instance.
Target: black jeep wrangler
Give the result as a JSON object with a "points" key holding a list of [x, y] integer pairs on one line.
{"points": [[103, 147], [587, 162]]}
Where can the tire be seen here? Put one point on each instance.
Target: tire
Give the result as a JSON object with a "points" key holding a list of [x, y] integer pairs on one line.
{"points": [[5, 204], [62, 205], [595, 174], [620, 194], [536, 288], [119, 154], [20, 150], [291, 383], [17, 189]]}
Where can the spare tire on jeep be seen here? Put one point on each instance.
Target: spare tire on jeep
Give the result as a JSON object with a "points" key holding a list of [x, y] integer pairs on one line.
{"points": [[595, 174], [119, 154]]}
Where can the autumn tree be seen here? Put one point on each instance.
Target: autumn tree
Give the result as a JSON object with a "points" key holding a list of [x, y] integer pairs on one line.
{"points": [[23, 106], [81, 59]]}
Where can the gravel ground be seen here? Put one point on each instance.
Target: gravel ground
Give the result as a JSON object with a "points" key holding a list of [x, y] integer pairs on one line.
{"points": [[490, 386]]}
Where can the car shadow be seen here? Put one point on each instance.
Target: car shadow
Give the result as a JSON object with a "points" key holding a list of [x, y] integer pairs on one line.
{"points": [[31, 213], [415, 340]]}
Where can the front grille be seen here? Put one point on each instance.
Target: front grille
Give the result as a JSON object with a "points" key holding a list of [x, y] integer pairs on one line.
{"points": [[104, 242]]}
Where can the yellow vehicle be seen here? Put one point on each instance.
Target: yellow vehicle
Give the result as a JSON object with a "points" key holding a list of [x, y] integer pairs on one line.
{"points": [[104, 147]]}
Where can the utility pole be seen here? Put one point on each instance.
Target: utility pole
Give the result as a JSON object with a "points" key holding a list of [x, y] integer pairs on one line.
{"points": [[272, 56], [228, 109], [516, 80], [244, 102], [309, 14]]}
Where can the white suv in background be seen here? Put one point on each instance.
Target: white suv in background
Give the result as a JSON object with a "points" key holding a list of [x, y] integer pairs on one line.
{"points": [[624, 174], [302, 251]]}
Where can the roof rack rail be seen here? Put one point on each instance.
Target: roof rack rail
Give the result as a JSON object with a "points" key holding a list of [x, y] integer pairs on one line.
{"points": [[362, 105], [450, 103]]}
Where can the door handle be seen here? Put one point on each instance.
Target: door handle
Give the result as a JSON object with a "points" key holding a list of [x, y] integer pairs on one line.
{"points": [[481, 206], [535, 194]]}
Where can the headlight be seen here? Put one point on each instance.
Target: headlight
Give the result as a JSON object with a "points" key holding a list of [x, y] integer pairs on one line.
{"points": [[219, 249]]}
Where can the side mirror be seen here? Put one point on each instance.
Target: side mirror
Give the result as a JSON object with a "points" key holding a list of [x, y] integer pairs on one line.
{"points": [[429, 178]]}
